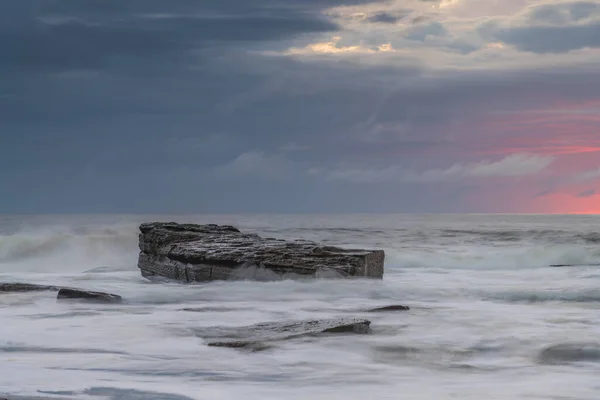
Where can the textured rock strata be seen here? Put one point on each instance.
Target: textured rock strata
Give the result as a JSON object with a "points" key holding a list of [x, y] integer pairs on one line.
{"points": [[390, 308], [575, 265], [96, 297], [197, 253], [25, 287], [255, 336]]}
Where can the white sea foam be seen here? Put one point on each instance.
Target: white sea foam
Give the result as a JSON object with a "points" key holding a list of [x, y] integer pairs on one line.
{"points": [[486, 308]]}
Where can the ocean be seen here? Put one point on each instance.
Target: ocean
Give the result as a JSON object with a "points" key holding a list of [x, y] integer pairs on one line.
{"points": [[489, 319]]}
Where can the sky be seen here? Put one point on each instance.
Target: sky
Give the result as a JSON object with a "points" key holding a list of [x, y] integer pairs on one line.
{"points": [[299, 106]]}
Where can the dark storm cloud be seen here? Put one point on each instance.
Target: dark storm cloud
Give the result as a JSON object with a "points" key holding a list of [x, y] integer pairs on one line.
{"points": [[138, 56], [62, 35], [86, 82]]}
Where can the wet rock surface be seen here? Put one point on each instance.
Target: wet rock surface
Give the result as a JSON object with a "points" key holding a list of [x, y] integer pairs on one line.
{"points": [[89, 296], [569, 353], [574, 265], [198, 253], [14, 287], [257, 337], [390, 308]]}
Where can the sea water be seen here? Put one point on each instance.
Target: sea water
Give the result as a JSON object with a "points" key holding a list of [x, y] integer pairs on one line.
{"points": [[489, 319]]}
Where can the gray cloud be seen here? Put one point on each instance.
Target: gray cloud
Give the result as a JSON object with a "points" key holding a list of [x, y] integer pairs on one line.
{"points": [[543, 193], [559, 39], [549, 28], [587, 193], [588, 175], [385, 18], [66, 35], [422, 31], [510, 166], [563, 13], [419, 19], [255, 164]]}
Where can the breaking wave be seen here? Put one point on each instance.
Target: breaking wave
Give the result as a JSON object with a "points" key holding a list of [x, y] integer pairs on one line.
{"points": [[530, 235], [563, 296], [58, 247], [490, 257], [117, 245]]}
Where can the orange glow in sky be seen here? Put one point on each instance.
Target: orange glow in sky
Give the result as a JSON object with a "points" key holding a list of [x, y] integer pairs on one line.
{"points": [[567, 132], [563, 203]]}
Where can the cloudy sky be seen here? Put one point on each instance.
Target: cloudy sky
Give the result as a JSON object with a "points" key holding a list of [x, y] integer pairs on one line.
{"points": [[232, 106]]}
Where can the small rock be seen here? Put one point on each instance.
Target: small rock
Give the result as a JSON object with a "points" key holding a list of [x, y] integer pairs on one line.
{"points": [[240, 344], [96, 297], [26, 287], [209, 309], [390, 308], [570, 352], [574, 265]]}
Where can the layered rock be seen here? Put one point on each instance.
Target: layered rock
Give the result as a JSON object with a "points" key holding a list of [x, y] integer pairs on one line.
{"points": [[89, 296], [574, 265], [64, 293], [13, 287], [197, 253], [390, 308], [258, 336]]}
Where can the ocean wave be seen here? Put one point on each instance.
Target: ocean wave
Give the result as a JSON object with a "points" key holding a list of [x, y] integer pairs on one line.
{"points": [[470, 357], [492, 257], [117, 245], [87, 247], [550, 236], [563, 296], [448, 235]]}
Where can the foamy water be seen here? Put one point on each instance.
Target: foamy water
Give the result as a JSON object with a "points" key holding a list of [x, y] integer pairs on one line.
{"points": [[489, 318]]}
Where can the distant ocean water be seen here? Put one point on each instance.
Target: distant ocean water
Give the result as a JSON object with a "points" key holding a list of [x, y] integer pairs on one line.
{"points": [[489, 319]]}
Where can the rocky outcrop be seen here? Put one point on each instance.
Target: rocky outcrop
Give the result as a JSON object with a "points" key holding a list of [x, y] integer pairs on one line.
{"points": [[95, 297], [198, 253], [257, 336]]}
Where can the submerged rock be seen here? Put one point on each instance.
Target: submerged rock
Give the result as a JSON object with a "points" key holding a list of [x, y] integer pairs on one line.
{"points": [[574, 265], [26, 287], [570, 352], [390, 308], [242, 344], [96, 297], [64, 293], [197, 253], [255, 336], [209, 309]]}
